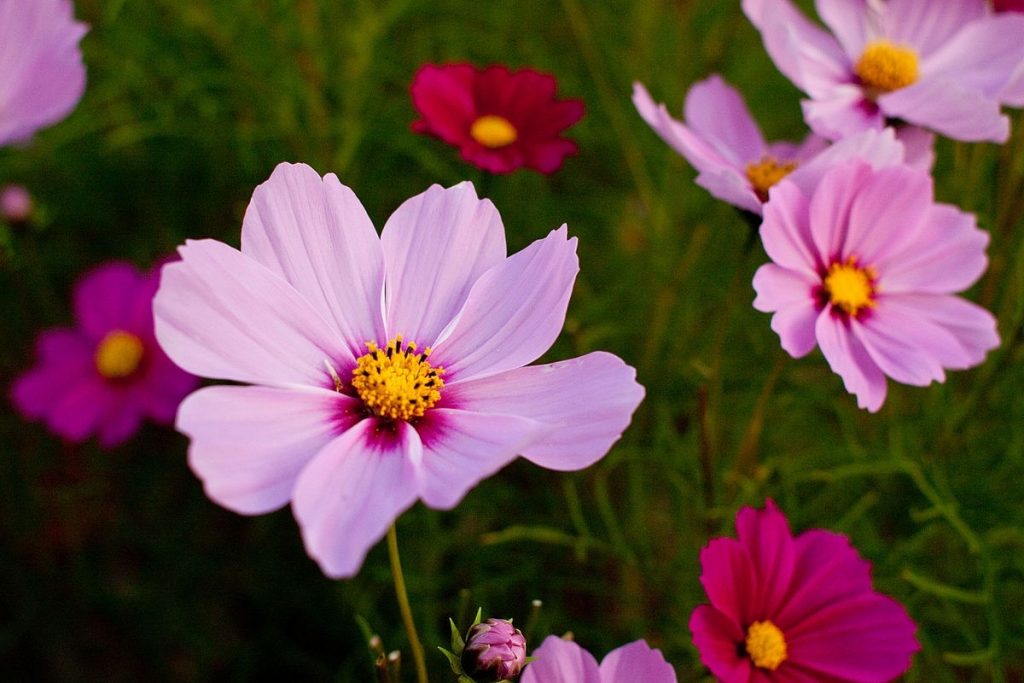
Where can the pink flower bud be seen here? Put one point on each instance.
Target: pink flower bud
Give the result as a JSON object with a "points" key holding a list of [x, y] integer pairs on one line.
{"points": [[495, 651], [15, 204]]}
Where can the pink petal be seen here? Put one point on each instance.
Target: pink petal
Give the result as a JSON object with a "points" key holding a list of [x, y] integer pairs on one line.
{"points": [[636, 662], [121, 420], [982, 56], [848, 359], [790, 295], [831, 210], [879, 148], [436, 246], [461, 449], [586, 402], [103, 298], [547, 156], [314, 233], [919, 147], [443, 95], [852, 21], [768, 542], [249, 444], [729, 579], [927, 26], [561, 661], [80, 409], [949, 108], [514, 312], [65, 357], [841, 111], [353, 490], [939, 317], [221, 314], [890, 210], [786, 230], [715, 111], [716, 637]]}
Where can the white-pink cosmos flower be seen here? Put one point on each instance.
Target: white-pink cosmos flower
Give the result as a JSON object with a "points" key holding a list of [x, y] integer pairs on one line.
{"points": [[867, 268], [724, 143], [387, 369], [563, 661], [946, 66], [41, 72]]}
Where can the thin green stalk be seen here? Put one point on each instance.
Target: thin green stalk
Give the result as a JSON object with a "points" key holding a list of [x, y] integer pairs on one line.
{"points": [[403, 605]]}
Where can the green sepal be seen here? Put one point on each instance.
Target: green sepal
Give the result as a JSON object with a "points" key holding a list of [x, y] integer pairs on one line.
{"points": [[458, 644], [479, 614], [453, 661], [465, 679]]}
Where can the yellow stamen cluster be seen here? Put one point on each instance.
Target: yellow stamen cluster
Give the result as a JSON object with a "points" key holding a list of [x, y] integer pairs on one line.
{"points": [[850, 287], [766, 645], [493, 131], [764, 174], [118, 354], [397, 382], [884, 67]]}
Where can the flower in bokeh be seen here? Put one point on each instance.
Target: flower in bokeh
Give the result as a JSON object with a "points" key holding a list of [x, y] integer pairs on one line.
{"points": [[867, 268], [388, 368], [563, 661], [500, 120], [16, 205], [946, 66], [723, 142], [1008, 5], [41, 72], [495, 651], [791, 609], [108, 373]]}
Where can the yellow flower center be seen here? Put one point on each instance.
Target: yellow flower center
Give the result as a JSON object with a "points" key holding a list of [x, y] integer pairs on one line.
{"points": [[766, 645], [884, 67], [119, 354], [493, 131], [395, 382], [850, 287], [766, 173]]}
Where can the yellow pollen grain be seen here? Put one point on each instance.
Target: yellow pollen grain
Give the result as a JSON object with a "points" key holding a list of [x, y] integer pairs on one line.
{"points": [[850, 287], [119, 354], [764, 174], [885, 67], [766, 645], [397, 382], [493, 131]]}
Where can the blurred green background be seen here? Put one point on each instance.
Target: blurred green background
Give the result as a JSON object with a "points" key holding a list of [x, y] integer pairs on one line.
{"points": [[115, 567]]}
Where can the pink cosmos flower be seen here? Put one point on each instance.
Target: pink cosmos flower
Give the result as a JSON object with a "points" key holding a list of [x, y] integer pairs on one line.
{"points": [[946, 66], [41, 72], [107, 373], [563, 661], [866, 268], [723, 142], [788, 609], [500, 120], [386, 368]]}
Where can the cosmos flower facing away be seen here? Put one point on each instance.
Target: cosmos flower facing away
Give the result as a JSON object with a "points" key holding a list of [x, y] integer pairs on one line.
{"points": [[41, 72], [563, 661], [386, 368], [106, 374], [500, 120], [723, 142], [867, 268], [945, 66], [788, 609]]}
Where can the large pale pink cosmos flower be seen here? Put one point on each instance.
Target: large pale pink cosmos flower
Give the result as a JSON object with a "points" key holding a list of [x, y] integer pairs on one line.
{"points": [[387, 368], [946, 66], [788, 609], [41, 72], [867, 268], [724, 143], [563, 661]]}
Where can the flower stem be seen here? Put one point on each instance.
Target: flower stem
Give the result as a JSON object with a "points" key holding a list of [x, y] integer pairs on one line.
{"points": [[403, 605]]}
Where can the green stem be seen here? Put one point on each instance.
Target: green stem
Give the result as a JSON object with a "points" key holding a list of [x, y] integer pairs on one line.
{"points": [[403, 605]]}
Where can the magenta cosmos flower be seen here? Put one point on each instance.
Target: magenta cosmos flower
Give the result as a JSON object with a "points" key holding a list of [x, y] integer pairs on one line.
{"points": [[723, 142], [946, 66], [794, 610], [41, 72], [500, 120], [1008, 5], [563, 661], [108, 373], [866, 268], [387, 368]]}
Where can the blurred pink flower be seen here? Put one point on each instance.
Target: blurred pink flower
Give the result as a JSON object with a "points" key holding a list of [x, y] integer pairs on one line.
{"points": [[41, 72], [946, 66], [107, 373], [16, 203], [792, 610], [866, 268], [563, 661], [1008, 5], [723, 142], [388, 368], [500, 120]]}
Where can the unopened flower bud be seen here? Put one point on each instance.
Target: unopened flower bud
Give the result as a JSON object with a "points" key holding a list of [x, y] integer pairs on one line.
{"points": [[16, 204], [495, 651]]}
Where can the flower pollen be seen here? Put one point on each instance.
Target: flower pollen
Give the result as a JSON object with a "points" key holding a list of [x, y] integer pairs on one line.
{"points": [[397, 383], [493, 131], [764, 174], [850, 287], [766, 645], [118, 354], [885, 67]]}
